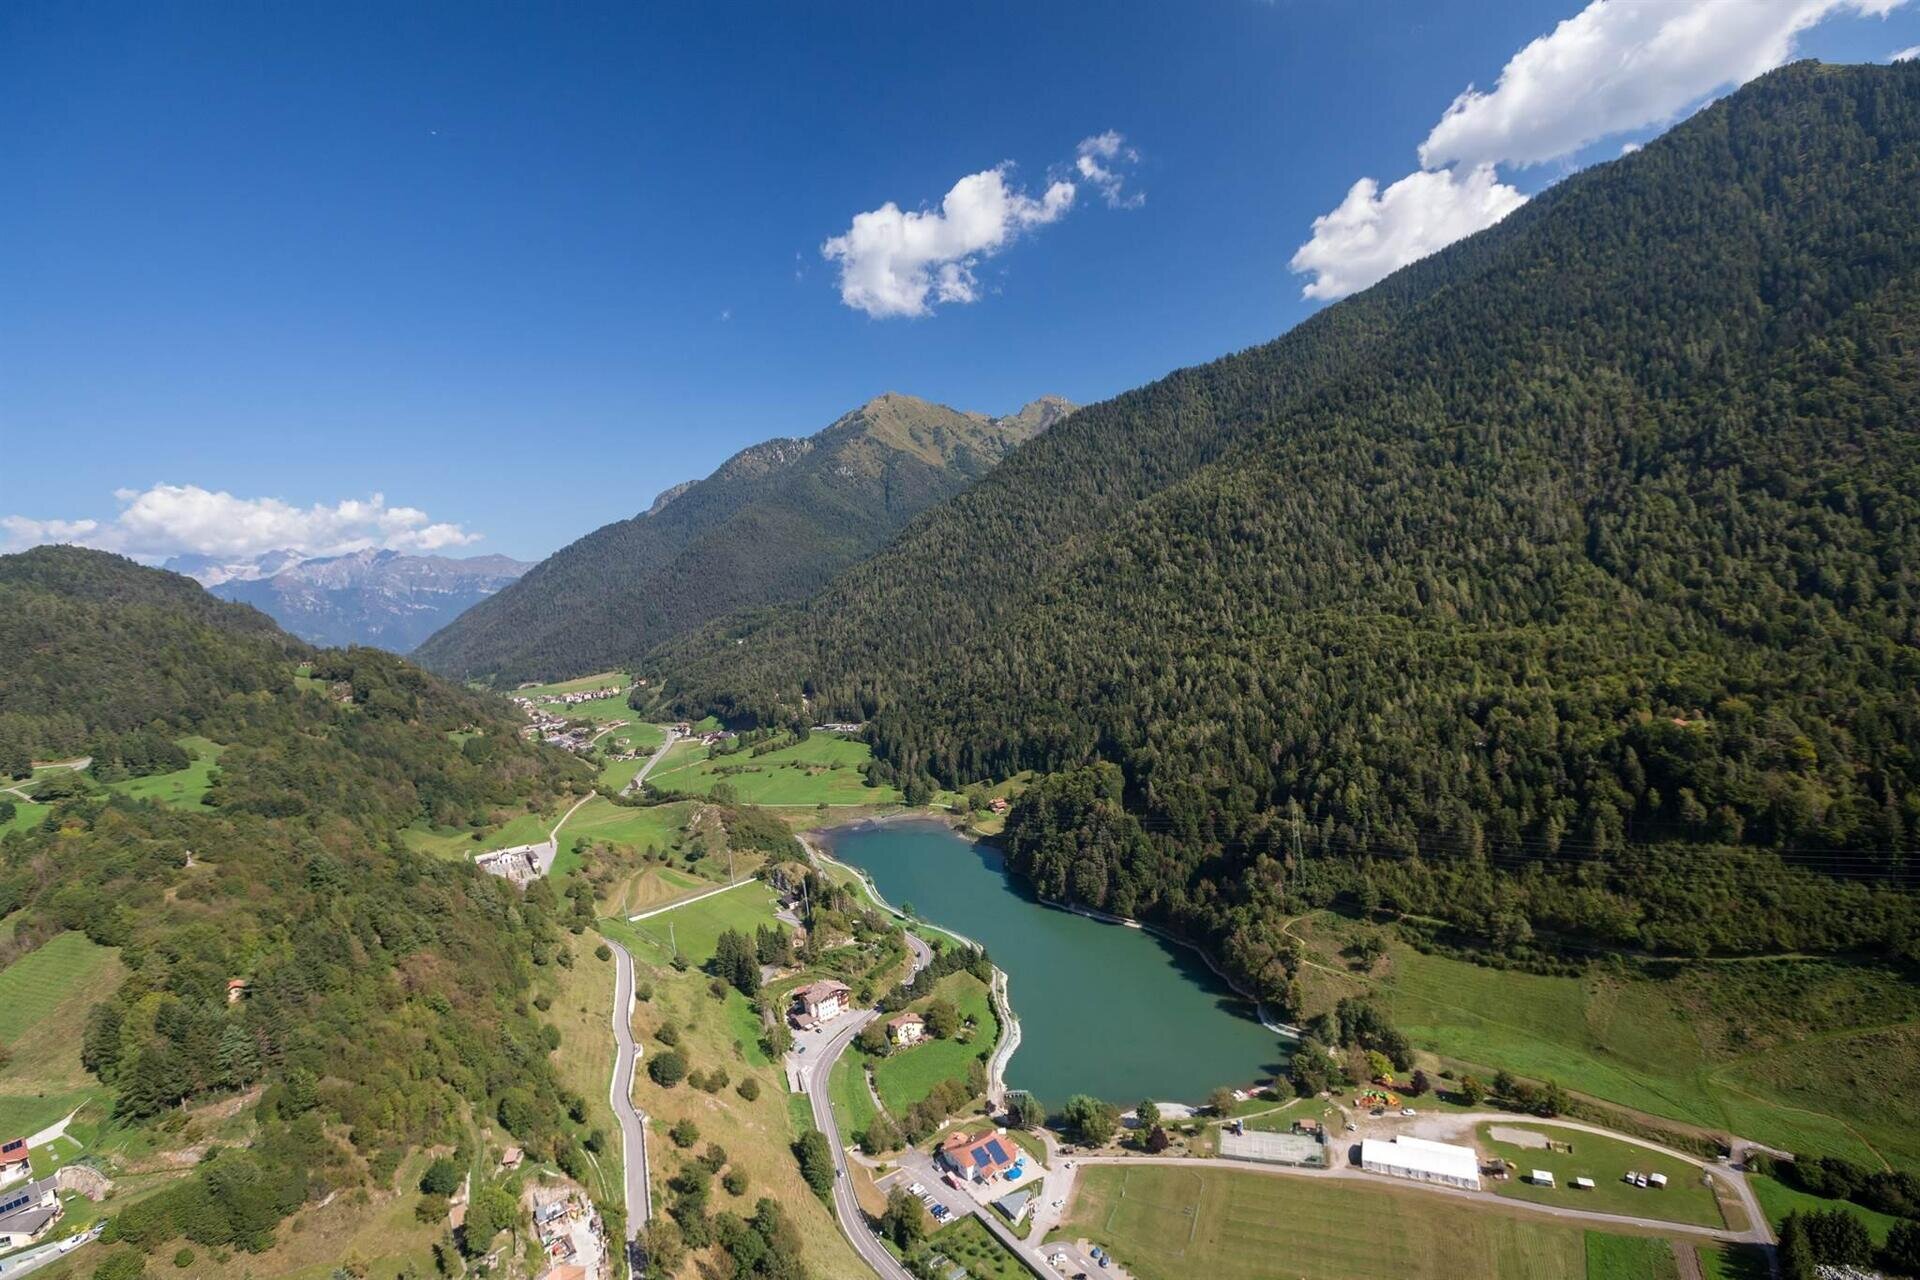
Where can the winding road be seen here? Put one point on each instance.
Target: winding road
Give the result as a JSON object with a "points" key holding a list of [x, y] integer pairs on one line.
{"points": [[633, 1133]]}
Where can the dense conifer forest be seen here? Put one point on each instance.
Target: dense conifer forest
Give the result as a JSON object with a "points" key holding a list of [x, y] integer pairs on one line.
{"points": [[1565, 586], [385, 1000], [774, 523]]}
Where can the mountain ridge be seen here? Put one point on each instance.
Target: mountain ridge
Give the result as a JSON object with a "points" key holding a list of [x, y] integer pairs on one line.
{"points": [[772, 522]]}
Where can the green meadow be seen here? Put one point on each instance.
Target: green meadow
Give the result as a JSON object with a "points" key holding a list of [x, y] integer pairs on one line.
{"points": [[1172, 1223], [825, 769], [183, 789], [44, 999], [905, 1076], [696, 927], [1685, 1198], [457, 842], [1629, 1258], [1815, 1056], [26, 814]]}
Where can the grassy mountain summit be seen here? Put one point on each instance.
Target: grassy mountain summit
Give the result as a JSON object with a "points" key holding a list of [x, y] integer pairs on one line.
{"points": [[1563, 582], [774, 523]]}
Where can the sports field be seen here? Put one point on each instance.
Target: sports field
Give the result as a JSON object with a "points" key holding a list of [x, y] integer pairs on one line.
{"points": [[183, 789], [696, 927], [44, 999], [1819, 1057], [1685, 1198], [1167, 1222], [824, 769], [906, 1076]]}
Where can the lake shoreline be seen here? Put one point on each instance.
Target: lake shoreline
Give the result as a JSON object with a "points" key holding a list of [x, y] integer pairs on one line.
{"points": [[819, 840]]}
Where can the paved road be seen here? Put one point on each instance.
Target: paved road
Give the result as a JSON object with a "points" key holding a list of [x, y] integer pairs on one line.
{"points": [[846, 1206], [633, 1137], [634, 783]]}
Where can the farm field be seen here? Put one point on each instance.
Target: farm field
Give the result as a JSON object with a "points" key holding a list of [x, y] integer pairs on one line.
{"points": [[1629, 1258], [1685, 1198], [182, 789], [650, 888], [696, 927], [1811, 1056], [1170, 1223], [905, 1077], [824, 769], [756, 1135], [44, 999], [599, 819]]}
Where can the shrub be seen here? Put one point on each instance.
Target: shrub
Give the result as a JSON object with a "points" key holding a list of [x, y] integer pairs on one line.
{"points": [[684, 1134], [748, 1088], [183, 1259], [735, 1182], [667, 1069]]}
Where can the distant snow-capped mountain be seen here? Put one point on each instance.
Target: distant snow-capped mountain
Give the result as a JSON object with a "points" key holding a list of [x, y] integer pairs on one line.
{"points": [[380, 598]]}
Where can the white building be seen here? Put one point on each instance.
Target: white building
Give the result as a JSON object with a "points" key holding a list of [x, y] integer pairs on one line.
{"points": [[1422, 1161]]}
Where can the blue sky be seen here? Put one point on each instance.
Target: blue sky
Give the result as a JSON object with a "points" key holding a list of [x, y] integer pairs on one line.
{"points": [[518, 267]]}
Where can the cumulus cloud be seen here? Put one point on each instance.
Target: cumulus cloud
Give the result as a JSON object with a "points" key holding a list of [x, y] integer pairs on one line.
{"points": [[170, 519], [1616, 66], [1907, 54], [1098, 160], [1619, 65], [895, 262], [1375, 232]]}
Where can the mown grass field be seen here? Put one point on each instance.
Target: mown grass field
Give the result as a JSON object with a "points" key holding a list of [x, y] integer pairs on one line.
{"points": [[1819, 1057], [847, 1089], [1777, 1200], [1629, 1258], [447, 842], [756, 1135], [1685, 1198], [582, 1009], [183, 789], [906, 1076], [599, 819], [824, 769], [696, 927], [1172, 1223], [44, 999]]}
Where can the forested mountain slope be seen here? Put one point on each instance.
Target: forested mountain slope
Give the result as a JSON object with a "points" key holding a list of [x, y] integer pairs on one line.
{"points": [[1567, 580], [386, 1002], [774, 523]]}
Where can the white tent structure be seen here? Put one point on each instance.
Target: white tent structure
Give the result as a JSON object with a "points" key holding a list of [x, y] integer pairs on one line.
{"points": [[1422, 1161]]}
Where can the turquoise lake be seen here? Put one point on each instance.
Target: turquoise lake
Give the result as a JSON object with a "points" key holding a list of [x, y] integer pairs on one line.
{"points": [[1104, 1009]]}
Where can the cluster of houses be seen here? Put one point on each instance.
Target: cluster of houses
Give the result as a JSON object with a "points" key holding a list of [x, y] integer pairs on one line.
{"points": [[570, 699], [838, 726]]}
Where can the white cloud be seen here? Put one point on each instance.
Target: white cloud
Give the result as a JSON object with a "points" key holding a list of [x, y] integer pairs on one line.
{"points": [[172, 519], [1616, 66], [1619, 65], [891, 261], [895, 263], [1098, 160], [1374, 233], [1907, 54]]}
